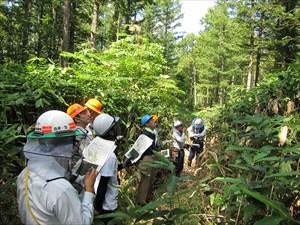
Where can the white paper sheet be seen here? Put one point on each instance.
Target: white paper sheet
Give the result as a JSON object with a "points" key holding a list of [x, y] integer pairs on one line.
{"points": [[139, 147], [98, 151]]}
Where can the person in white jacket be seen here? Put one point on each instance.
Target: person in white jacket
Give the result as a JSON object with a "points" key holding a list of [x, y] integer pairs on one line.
{"points": [[196, 133], [106, 186], [44, 193], [177, 152]]}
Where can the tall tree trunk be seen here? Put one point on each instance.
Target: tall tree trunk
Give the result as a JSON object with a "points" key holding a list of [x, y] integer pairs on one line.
{"points": [[2, 57], [116, 22], [40, 29], [194, 85], [249, 83], [72, 25], [207, 97], [290, 48], [66, 30], [221, 89], [54, 33], [258, 51], [257, 69], [94, 23], [250, 76], [26, 24], [127, 17]]}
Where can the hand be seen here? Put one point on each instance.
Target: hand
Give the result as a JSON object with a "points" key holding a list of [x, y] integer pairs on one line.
{"points": [[89, 180], [127, 163]]}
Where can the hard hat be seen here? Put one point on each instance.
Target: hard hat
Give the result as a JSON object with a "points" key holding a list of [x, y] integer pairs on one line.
{"points": [[197, 123], [53, 124], [94, 105], [155, 117], [103, 123], [177, 123], [75, 109], [145, 119]]}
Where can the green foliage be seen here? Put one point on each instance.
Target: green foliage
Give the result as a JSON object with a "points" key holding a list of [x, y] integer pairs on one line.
{"points": [[261, 172], [128, 78]]}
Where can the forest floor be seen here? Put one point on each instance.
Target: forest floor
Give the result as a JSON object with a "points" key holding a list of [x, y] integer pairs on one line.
{"points": [[196, 194]]}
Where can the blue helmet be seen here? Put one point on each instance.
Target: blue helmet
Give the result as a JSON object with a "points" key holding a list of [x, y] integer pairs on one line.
{"points": [[145, 119], [197, 123]]}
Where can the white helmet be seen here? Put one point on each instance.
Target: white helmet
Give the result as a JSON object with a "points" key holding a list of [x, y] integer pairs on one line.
{"points": [[178, 123], [103, 123], [198, 121], [54, 123]]}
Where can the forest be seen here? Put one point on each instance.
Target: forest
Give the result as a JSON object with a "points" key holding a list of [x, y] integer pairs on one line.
{"points": [[240, 74]]}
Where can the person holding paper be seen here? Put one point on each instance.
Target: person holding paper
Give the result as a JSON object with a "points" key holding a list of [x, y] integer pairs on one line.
{"points": [[106, 185], [196, 133], [144, 189], [44, 192], [81, 116], [177, 151]]}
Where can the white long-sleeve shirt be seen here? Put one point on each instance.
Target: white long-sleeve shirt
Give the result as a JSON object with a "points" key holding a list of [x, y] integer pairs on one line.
{"points": [[54, 202], [178, 139]]}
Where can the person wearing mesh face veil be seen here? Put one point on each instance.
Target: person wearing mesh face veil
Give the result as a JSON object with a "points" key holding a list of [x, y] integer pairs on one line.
{"points": [[44, 193]]}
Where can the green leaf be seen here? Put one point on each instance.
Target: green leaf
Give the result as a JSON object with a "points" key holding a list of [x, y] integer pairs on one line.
{"points": [[266, 201], [151, 206], [271, 158], [260, 156], [248, 158], [270, 220], [249, 212], [171, 184], [228, 180]]}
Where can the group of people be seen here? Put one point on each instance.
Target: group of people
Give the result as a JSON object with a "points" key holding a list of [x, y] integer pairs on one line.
{"points": [[51, 189]]}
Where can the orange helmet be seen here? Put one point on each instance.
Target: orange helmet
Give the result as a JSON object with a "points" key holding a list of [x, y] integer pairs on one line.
{"points": [[94, 105], [75, 109], [155, 117]]}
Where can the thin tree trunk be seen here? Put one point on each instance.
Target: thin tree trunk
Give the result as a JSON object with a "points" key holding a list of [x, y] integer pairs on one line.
{"points": [[250, 69], [258, 52], [94, 23], [207, 97], [194, 86], [40, 28], [72, 25], [127, 17], [1, 53], [290, 48], [257, 71], [26, 24], [54, 33], [221, 90], [249, 76], [116, 22], [66, 30]]}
